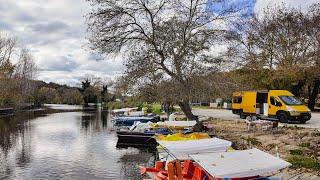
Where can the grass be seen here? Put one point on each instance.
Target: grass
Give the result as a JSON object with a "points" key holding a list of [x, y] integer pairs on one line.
{"points": [[304, 161], [271, 146], [114, 105], [253, 141], [306, 145], [296, 152]]}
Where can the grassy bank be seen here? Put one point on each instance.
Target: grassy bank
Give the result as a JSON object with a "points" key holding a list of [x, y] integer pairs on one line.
{"points": [[299, 146], [154, 108]]}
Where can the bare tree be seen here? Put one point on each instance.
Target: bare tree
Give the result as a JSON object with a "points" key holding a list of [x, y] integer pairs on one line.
{"points": [[169, 37], [314, 73], [7, 47], [280, 48], [25, 71], [26, 67]]}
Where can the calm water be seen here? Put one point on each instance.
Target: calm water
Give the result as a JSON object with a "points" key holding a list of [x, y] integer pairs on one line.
{"points": [[67, 145]]}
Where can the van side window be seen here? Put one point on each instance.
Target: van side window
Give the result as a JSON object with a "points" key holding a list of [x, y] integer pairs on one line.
{"points": [[272, 100], [237, 99]]}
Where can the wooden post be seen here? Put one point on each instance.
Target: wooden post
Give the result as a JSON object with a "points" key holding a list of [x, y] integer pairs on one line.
{"points": [[179, 170], [170, 171]]}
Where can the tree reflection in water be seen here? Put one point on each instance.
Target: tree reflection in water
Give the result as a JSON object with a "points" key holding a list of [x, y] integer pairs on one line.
{"points": [[94, 120], [69, 145], [15, 134]]}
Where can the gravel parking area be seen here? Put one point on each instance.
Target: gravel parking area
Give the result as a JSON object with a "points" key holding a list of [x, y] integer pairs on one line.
{"points": [[314, 122]]}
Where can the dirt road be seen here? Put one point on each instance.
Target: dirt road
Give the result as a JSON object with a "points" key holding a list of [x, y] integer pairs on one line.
{"points": [[227, 115]]}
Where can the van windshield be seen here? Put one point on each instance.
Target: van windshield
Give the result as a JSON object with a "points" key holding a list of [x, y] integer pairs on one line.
{"points": [[290, 100]]}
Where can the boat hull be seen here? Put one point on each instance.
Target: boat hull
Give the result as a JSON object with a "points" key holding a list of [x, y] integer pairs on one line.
{"points": [[6, 111], [136, 139]]}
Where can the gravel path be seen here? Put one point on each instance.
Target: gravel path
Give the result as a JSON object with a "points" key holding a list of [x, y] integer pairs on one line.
{"points": [[314, 122]]}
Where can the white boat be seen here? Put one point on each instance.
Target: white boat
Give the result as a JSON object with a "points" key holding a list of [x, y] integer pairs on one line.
{"points": [[182, 149], [240, 164], [177, 123], [126, 112]]}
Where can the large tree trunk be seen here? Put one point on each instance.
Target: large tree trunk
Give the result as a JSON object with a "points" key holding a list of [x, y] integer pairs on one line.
{"points": [[313, 94], [185, 107]]}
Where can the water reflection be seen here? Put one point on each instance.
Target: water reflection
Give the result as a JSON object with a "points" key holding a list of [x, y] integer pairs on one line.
{"points": [[14, 139], [72, 145]]}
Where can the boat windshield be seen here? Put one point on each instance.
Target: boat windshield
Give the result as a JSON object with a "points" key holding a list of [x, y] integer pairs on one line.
{"points": [[290, 100]]}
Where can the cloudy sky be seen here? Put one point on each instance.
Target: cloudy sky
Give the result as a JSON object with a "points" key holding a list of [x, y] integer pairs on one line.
{"points": [[55, 32]]}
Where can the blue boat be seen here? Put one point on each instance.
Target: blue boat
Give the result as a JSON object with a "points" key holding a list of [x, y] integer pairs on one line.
{"points": [[138, 139], [131, 120]]}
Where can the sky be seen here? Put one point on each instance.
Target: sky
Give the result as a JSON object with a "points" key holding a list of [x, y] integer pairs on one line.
{"points": [[55, 32]]}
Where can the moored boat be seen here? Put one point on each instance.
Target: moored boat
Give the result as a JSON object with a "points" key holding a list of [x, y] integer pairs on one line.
{"points": [[126, 112], [142, 134], [6, 111], [235, 165], [146, 138], [128, 121]]}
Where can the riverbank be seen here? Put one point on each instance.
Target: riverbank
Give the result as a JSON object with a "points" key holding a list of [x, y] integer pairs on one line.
{"points": [[299, 146]]}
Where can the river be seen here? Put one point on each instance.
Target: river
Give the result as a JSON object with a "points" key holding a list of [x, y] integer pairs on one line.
{"points": [[77, 144]]}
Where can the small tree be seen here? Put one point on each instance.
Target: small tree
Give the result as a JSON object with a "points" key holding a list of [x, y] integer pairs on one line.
{"points": [[168, 37]]}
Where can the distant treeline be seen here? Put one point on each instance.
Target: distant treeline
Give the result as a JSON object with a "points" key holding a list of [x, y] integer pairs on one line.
{"points": [[17, 87], [58, 94]]}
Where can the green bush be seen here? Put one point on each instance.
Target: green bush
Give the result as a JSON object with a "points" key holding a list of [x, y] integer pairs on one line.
{"points": [[307, 145], [6, 101], [156, 109], [252, 140], [304, 161], [296, 152], [114, 105]]}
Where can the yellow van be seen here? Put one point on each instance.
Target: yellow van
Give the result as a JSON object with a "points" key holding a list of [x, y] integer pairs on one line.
{"points": [[273, 105]]}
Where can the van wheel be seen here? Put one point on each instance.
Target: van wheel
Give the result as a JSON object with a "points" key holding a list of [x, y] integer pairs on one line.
{"points": [[242, 115], [283, 117]]}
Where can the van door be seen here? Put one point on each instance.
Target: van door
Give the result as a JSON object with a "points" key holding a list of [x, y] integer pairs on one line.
{"points": [[272, 101], [249, 102]]}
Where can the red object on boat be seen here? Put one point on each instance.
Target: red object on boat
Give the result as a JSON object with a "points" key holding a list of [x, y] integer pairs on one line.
{"points": [[175, 171]]}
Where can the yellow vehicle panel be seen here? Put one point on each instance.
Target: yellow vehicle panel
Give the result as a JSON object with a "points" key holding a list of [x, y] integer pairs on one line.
{"points": [[236, 102], [272, 109], [280, 92], [236, 106], [249, 102], [301, 108]]}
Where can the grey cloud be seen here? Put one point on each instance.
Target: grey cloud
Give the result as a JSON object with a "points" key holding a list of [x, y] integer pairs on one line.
{"points": [[64, 63], [5, 26], [22, 16], [56, 35], [95, 56], [49, 27], [16, 12]]}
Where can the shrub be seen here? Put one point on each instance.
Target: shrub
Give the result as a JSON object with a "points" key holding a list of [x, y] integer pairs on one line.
{"points": [[114, 105], [156, 109], [307, 145], [6, 101], [304, 161], [296, 152]]}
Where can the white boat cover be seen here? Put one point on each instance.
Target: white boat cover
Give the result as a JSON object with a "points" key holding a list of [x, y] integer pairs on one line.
{"points": [[124, 110], [182, 149], [178, 123], [238, 164]]}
